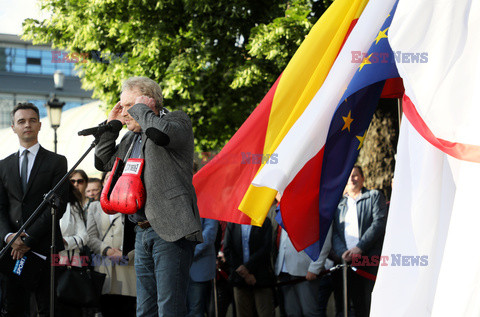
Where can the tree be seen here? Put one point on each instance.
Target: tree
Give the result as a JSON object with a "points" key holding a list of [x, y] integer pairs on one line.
{"points": [[215, 59]]}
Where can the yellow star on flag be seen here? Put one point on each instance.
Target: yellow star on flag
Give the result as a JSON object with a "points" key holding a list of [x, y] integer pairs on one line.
{"points": [[348, 120], [381, 35], [361, 138], [365, 61]]}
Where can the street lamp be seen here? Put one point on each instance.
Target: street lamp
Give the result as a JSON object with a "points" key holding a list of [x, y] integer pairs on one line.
{"points": [[54, 106], [58, 78]]}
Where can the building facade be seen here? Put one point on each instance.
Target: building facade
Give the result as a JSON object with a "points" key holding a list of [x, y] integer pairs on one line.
{"points": [[26, 75]]}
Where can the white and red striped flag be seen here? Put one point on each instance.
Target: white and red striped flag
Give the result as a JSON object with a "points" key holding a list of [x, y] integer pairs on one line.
{"points": [[434, 213]]}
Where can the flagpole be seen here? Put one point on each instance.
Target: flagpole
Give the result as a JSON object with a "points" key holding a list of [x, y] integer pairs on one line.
{"points": [[345, 299], [400, 110]]}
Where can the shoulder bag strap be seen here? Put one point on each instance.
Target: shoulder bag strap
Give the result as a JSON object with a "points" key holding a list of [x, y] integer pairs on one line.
{"points": [[111, 224]]}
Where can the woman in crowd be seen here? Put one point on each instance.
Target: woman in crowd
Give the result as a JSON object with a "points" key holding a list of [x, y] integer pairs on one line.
{"points": [[106, 236], [79, 180], [74, 235]]}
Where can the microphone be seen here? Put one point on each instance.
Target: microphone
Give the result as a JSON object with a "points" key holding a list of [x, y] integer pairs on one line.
{"points": [[114, 126], [157, 136]]}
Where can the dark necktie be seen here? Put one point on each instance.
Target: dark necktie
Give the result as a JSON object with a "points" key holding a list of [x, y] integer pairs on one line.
{"points": [[24, 172], [137, 147]]}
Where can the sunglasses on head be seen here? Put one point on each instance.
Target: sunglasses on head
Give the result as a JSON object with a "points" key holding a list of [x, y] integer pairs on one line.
{"points": [[79, 181]]}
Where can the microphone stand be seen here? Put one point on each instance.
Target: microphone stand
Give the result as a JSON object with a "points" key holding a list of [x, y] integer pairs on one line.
{"points": [[53, 199]]}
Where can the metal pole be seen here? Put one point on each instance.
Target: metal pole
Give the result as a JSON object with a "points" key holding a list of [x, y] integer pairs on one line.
{"points": [[55, 139], [52, 256], [345, 299], [400, 111], [215, 299]]}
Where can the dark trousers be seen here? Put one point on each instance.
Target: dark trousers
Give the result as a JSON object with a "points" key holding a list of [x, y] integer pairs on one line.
{"points": [[325, 290], [359, 291], [224, 294], [17, 297]]}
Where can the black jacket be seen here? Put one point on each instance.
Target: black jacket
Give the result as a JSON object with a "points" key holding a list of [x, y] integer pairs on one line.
{"points": [[260, 244], [16, 206]]}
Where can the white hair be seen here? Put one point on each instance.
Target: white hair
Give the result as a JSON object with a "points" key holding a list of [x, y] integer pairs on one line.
{"points": [[147, 87]]}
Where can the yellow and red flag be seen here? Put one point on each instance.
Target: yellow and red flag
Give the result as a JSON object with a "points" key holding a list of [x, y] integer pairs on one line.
{"points": [[224, 186], [223, 182]]}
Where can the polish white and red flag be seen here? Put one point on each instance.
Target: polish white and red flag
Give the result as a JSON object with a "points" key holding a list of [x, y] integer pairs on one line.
{"points": [[434, 212]]}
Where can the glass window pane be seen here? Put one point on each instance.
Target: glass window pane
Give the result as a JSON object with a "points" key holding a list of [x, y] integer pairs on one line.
{"points": [[6, 105], [21, 52], [34, 61], [18, 68], [34, 53], [34, 69]]}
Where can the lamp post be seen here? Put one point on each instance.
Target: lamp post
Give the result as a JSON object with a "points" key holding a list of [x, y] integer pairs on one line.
{"points": [[54, 106]]}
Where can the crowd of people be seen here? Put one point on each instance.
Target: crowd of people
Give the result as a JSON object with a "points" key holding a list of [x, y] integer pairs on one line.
{"points": [[265, 269], [173, 263]]}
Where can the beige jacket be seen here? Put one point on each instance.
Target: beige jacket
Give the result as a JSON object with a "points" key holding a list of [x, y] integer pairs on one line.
{"points": [[120, 277]]}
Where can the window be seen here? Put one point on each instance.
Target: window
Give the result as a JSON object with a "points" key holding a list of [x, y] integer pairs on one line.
{"points": [[34, 61]]}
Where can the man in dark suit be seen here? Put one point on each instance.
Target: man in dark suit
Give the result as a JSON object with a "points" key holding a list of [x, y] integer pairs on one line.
{"points": [[168, 227], [248, 252], [25, 177]]}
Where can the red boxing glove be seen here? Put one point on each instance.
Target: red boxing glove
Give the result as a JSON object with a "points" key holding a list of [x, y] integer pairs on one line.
{"points": [[109, 185], [128, 195]]}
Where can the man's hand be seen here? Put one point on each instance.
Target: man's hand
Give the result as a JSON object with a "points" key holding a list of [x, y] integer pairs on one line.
{"points": [[311, 276], [150, 102], [347, 255], [242, 271], [250, 279], [19, 248], [116, 113]]}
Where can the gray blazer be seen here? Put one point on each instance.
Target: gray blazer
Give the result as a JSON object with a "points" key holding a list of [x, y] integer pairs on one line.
{"points": [[171, 203], [372, 219]]}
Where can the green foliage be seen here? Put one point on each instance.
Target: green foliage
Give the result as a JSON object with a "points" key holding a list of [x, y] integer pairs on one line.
{"points": [[215, 59]]}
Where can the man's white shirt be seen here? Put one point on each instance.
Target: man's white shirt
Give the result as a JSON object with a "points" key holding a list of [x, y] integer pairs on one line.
{"points": [[351, 223], [32, 154]]}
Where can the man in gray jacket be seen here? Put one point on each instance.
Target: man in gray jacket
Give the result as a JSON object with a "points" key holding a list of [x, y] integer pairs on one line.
{"points": [[357, 236], [168, 227]]}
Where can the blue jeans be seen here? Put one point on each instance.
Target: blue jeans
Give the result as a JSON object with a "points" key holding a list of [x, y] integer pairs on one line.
{"points": [[162, 270], [197, 298]]}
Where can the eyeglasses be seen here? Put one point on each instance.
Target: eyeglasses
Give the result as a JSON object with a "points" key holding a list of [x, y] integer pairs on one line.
{"points": [[80, 181]]}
